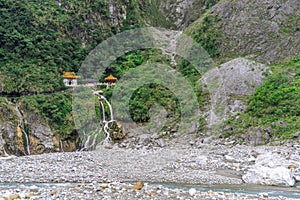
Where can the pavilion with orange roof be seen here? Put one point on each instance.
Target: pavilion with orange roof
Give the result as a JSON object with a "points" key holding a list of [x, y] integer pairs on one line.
{"points": [[111, 80], [70, 79]]}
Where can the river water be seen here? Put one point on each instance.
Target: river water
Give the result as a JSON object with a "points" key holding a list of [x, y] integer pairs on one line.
{"points": [[272, 191], [290, 192]]}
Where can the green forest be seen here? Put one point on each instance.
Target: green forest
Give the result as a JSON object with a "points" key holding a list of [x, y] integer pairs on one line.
{"points": [[42, 39]]}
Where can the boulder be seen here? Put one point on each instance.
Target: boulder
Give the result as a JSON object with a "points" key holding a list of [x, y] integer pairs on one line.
{"points": [[271, 169], [144, 139], [296, 134], [279, 176], [257, 137]]}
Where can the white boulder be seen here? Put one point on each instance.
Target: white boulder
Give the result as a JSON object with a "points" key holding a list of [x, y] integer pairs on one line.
{"points": [[271, 169], [279, 176]]}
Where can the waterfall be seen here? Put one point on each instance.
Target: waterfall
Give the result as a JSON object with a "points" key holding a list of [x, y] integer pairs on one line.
{"points": [[105, 123], [61, 145], [102, 109], [21, 124], [100, 97], [90, 140]]}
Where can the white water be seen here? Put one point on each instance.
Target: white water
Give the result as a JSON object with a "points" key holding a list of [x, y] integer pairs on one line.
{"points": [[105, 123], [61, 145], [23, 129], [90, 140], [110, 108]]}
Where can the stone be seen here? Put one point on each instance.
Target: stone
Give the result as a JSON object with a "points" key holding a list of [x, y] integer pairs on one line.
{"points": [[208, 140], [155, 136], [296, 134], [34, 188], [279, 176], [257, 137], [108, 146], [192, 191], [271, 169], [297, 177], [160, 143], [138, 185], [231, 159], [104, 186], [210, 192], [29, 195], [144, 139], [14, 197]]}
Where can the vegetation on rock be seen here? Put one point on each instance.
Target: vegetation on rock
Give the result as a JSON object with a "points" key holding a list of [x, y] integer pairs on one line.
{"points": [[275, 104], [40, 40]]}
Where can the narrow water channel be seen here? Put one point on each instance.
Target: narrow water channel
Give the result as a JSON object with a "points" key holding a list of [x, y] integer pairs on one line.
{"points": [[27, 147], [289, 192]]}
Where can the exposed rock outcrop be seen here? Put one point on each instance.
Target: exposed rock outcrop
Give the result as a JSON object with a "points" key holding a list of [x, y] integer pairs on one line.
{"points": [[177, 14], [227, 83], [41, 139], [267, 30], [41, 136]]}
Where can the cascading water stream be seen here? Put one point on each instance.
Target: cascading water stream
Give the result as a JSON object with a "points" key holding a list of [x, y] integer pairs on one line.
{"points": [[23, 129], [105, 123], [90, 140], [109, 105]]}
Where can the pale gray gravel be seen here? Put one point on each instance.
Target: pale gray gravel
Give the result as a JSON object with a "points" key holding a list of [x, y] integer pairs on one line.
{"points": [[87, 171]]}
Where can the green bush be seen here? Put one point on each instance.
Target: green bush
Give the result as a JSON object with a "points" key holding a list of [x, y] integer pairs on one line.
{"points": [[276, 103], [209, 36], [55, 108]]}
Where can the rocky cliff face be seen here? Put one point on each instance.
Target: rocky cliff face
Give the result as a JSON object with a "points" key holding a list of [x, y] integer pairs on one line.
{"points": [[228, 85], [23, 133], [266, 30], [178, 14]]}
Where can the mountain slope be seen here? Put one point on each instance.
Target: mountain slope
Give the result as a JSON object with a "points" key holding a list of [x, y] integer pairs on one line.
{"points": [[267, 31], [52, 37], [40, 40]]}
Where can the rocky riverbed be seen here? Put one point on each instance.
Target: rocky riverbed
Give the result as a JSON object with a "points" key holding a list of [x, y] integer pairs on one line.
{"points": [[110, 172]]}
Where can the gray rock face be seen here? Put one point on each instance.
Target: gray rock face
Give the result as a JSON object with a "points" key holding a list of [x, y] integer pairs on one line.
{"points": [[41, 130], [40, 137], [271, 169], [9, 143], [2, 142], [176, 11], [44, 134], [257, 137], [180, 13], [267, 30], [234, 79]]}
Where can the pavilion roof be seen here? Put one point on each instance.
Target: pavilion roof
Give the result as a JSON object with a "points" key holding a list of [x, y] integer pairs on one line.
{"points": [[111, 78], [70, 75]]}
